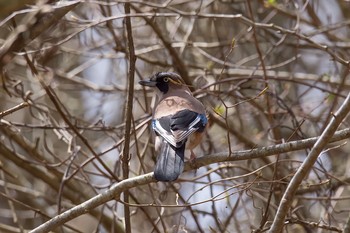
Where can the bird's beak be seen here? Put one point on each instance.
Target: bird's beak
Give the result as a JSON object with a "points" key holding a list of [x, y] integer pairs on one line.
{"points": [[149, 83]]}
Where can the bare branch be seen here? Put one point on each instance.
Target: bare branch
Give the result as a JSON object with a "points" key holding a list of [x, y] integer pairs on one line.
{"points": [[115, 191], [306, 166]]}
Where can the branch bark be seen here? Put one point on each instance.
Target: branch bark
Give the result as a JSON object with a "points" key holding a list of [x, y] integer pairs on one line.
{"points": [[115, 191], [87, 206], [322, 141], [31, 27], [128, 113]]}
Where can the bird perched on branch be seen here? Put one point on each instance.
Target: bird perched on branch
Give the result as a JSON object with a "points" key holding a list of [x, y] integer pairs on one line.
{"points": [[179, 120]]}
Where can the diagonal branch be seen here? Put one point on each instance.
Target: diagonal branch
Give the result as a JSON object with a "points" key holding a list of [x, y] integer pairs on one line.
{"points": [[115, 191], [321, 143], [31, 27]]}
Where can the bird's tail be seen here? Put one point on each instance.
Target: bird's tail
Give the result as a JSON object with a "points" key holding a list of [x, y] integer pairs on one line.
{"points": [[170, 163]]}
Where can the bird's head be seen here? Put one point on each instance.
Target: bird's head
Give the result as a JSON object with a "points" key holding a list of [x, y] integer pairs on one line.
{"points": [[165, 81]]}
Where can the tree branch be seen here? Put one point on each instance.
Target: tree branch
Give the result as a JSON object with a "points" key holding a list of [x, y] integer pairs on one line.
{"points": [[322, 141], [115, 191], [31, 26], [112, 193], [128, 112]]}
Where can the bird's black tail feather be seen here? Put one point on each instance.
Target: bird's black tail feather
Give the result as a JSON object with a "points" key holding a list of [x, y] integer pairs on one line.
{"points": [[170, 163]]}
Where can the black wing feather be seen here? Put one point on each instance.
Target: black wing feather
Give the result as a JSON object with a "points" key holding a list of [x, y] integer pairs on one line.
{"points": [[182, 119]]}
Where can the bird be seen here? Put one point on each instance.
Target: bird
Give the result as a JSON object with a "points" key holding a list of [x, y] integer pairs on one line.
{"points": [[179, 121]]}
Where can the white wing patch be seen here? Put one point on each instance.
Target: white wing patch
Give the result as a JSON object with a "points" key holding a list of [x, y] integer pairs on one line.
{"points": [[176, 136]]}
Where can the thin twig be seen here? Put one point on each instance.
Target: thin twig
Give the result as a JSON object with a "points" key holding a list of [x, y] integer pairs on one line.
{"points": [[304, 169], [347, 226], [128, 113], [115, 191], [13, 109]]}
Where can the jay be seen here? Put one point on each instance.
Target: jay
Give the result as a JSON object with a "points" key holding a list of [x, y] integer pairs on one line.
{"points": [[179, 120]]}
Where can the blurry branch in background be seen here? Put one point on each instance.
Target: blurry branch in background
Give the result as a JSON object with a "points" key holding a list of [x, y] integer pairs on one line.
{"points": [[8, 7], [115, 191], [74, 131], [31, 26], [306, 166], [73, 192], [14, 109]]}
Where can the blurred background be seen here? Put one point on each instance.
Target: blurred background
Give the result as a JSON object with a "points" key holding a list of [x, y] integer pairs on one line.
{"points": [[268, 72]]}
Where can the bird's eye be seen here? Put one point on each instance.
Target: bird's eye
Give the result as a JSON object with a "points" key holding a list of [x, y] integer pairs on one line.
{"points": [[166, 80]]}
